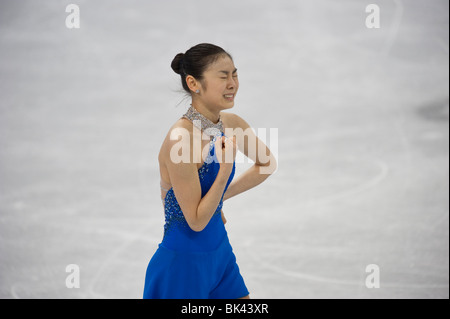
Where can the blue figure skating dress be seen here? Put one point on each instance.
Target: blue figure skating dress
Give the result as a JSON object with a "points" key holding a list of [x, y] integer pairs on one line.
{"points": [[194, 265]]}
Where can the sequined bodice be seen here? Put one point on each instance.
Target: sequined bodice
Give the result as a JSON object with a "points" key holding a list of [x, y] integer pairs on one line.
{"points": [[177, 233]]}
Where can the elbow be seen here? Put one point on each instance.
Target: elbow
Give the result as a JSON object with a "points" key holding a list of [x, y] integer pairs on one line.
{"points": [[270, 167], [275, 165], [197, 229], [193, 218], [196, 226]]}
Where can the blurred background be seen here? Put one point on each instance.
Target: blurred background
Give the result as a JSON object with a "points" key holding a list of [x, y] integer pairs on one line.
{"points": [[363, 143]]}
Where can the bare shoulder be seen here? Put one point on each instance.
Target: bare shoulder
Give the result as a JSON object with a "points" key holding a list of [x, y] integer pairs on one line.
{"points": [[179, 132], [181, 126], [234, 121]]}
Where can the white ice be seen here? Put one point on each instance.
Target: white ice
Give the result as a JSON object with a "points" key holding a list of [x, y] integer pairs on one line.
{"points": [[363, 143]]}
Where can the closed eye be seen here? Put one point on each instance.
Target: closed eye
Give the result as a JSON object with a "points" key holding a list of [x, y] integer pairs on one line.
{"points": [[234, 73]]}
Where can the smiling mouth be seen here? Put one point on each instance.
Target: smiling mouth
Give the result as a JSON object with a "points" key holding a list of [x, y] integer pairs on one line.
{"points": [[229, 96]]}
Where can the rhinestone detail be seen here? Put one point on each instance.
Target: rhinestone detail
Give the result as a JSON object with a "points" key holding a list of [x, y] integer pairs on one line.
{"points": [[204, 124]]}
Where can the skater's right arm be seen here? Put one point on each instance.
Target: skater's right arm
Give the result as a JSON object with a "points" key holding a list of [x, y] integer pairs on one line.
{"points": [[186, 184]]}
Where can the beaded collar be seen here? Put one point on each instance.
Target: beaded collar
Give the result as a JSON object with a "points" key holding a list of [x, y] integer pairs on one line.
{"points": [[204, 124]]}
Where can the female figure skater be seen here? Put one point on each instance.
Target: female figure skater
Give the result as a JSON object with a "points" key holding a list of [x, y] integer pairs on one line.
{"points": [[195, 259]]}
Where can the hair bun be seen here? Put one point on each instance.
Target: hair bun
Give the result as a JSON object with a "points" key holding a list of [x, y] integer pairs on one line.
{"points": [[176, 63]]}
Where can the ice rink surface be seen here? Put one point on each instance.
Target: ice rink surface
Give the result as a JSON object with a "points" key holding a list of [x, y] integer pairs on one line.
{"points": [[363, 143]]}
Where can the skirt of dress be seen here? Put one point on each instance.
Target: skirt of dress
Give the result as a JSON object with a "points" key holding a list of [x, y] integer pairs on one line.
{"points": [[194, 275]]}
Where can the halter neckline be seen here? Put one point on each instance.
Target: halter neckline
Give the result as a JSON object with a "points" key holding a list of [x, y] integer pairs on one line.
{"points": [[203, 123]]}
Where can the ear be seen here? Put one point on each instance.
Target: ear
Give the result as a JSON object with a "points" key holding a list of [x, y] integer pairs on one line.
{"points": [[193, 84]]}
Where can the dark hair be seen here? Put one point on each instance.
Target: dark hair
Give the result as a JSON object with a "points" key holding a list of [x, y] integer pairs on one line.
{"points": [[195, 61]]}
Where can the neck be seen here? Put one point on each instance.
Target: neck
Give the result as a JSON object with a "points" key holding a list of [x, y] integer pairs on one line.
{"points": [[206, 112]]}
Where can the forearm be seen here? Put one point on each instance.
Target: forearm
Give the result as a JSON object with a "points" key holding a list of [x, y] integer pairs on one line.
{"points": [[247, 180]]}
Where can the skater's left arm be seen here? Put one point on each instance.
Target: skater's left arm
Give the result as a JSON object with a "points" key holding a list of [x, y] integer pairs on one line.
{"points": [[252, 147]]}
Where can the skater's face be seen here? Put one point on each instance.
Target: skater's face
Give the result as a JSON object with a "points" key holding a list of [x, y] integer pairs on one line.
{"points": [[220, 84]]}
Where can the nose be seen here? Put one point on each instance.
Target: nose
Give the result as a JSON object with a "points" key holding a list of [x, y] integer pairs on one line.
{"points": [[232, 83]]}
